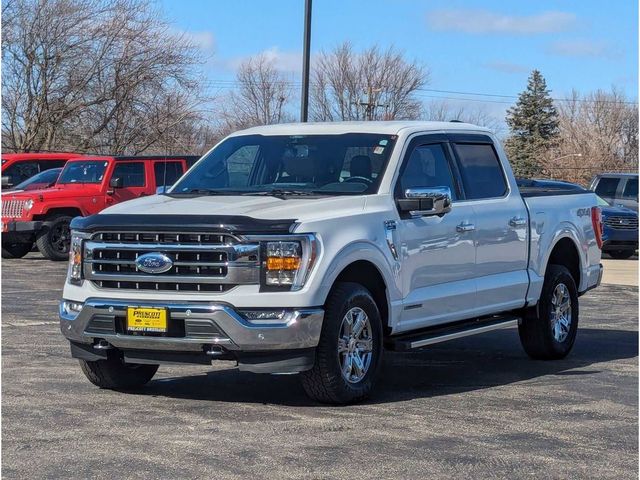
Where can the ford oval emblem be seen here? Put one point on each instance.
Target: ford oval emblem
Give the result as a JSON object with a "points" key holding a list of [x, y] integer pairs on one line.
{"points": [[154, 263]]}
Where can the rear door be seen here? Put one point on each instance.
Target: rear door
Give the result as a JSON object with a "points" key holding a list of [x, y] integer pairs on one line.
{"points": [[629, 197], [437, 254], [501, 222]]}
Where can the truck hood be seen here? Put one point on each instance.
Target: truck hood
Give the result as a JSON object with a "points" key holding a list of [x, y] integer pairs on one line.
{"points": [[267, 208]]}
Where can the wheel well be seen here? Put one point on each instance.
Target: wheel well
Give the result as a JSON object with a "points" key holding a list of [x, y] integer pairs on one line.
{"points": [[71, 211], [565, 253], [366, 274]]}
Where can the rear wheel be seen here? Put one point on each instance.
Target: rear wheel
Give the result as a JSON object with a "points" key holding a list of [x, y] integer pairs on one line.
{"points": [[548, 330], [16, 250], [113, 373], [621, 254], [349, 353], [53, 240]]}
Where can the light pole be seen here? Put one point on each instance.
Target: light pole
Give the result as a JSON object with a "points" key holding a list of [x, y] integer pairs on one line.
{"points": [[304, 108]]}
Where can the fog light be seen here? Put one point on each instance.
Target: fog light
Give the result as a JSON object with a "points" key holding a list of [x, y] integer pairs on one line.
{"points": [[71, 307]]}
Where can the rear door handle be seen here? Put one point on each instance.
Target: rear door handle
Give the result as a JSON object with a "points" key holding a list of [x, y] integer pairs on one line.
{"points": [[518, 222], [466, 227]]}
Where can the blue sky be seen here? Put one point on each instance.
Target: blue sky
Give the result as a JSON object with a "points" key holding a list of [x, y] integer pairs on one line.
{"points": [[469, 46]]}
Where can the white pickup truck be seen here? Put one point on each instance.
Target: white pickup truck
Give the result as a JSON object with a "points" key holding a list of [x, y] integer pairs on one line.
{"points": [[311, 248]]}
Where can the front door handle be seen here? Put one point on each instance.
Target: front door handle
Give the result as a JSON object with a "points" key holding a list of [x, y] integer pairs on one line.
{"points": [[518, 222], [466, 227]]}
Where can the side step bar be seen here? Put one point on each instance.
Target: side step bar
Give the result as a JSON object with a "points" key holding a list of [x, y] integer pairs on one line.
{"points": [[440, 333]]}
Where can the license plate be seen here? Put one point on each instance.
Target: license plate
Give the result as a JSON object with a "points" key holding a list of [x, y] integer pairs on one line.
{"points": [[141, 319]]}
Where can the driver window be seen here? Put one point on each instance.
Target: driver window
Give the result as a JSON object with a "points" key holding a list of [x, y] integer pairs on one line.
{"points": [[428, 167]]}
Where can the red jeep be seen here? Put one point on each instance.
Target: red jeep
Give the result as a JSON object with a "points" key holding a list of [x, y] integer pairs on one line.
{"points": [[85, 186], [17, 167]]}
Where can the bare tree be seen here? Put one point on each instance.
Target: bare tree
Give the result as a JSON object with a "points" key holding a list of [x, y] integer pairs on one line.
{"points": [[373, 85], [598, 132], [93, 75], [261, 98], [444, 111]]}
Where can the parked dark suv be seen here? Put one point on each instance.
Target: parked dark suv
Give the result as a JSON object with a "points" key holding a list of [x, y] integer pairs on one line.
{"points": [[617, 188]]}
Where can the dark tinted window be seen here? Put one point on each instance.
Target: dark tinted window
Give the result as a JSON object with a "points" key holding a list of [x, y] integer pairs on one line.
{"points": [[132, 174], [607, 187], [427, 167], [481, 172], [19, 172], [167, 173], [47, 164], [631, 188]]}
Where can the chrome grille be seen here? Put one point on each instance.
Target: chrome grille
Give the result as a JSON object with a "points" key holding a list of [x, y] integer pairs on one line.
{"points": [[12, 208], [201, 262], [622, 223]]}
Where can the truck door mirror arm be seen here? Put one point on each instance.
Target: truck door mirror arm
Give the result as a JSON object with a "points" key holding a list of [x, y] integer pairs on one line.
{"points": [[425, 201]]}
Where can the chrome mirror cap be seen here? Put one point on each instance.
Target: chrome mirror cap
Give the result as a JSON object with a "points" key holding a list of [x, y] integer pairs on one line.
{"points": [[426, 201]]}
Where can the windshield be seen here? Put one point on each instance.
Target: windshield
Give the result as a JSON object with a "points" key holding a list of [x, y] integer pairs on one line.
{"points": [[602, 202], [91, 171], [48, 177], [349, 164]]}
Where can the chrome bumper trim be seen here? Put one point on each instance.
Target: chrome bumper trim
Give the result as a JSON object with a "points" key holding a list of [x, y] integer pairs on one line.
{"points": [[299, 328]]}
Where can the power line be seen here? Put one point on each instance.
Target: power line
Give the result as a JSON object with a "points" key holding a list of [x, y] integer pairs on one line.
{"points": [[231, 84]]}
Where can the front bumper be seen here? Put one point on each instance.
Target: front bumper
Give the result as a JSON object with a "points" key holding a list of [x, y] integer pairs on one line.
{"points": [[216, 329], [22, 227]]}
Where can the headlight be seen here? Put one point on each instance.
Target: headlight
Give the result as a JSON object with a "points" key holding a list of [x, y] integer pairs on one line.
{"points": [[75, 258], [288, 261], [28, 204]]}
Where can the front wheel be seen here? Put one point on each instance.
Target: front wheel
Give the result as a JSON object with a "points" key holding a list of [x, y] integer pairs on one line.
{"points": [[16, 250], [53, 240], [114, 374], [548, 330], [349, 353]]}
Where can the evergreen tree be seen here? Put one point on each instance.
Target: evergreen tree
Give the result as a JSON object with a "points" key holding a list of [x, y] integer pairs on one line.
{"points": [[533, 122]]}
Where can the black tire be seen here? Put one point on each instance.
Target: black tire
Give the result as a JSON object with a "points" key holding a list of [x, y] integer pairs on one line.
{"points": [[325, 382], [53, 240], [537, 327], [621, 254], [16, 250], [114, 374]]}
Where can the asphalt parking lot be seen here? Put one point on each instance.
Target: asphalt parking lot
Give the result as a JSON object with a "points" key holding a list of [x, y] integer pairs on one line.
{"points": [[472, 408]]}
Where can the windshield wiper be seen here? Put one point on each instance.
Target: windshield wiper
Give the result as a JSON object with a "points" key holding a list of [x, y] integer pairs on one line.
{"points": [[283, 193]]}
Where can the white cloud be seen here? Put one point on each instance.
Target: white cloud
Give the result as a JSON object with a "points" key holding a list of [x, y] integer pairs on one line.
{"points": [[581, 48], [289, 62], [204, 40], [507, 67], [483, 21]]}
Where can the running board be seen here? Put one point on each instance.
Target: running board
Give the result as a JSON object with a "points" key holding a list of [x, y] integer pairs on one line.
{"points": [[439, 334]]}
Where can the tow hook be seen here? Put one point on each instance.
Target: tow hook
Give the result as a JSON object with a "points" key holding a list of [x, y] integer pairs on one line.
{"points": [[102, 345], [214, 350]]}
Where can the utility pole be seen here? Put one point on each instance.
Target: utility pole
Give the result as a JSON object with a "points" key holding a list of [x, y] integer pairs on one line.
{"points": [[304, 110], [370, 106]]}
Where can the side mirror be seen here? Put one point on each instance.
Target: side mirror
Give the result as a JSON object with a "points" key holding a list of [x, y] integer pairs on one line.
{"points": [[6, 181], [426, 201], [116, 182]]}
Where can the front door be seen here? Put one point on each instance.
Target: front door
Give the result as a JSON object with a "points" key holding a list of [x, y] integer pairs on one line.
{"points": [[437, 254], [134, 181]]}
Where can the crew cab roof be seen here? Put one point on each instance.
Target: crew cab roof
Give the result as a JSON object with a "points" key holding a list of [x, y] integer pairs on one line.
{"points": [[337, 128]]}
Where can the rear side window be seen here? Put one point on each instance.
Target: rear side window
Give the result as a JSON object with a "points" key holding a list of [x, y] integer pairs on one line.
{"points": [[481, 172], [607, 187], [631, 189], [427, 167], [132, 174], [167, 173]]}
